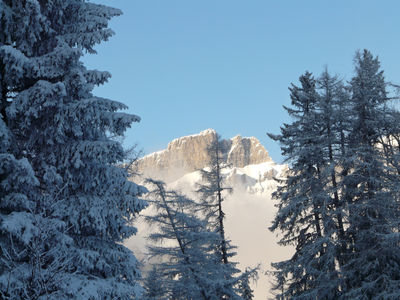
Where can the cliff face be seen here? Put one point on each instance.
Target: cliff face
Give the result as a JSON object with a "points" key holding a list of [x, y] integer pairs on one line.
{"points": [[187, 154], [246, 151]]}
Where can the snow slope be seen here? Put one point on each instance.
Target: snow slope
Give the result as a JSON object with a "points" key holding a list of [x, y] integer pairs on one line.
{"points": [[255, 179]]}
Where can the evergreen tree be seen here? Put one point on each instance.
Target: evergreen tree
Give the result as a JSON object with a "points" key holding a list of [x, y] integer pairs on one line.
{"points": [[334, 114], [211, 191], [304, 216], [339, 203], [153, 285], [32, 240], [188, 267], [245, 290], [373, 261], [31, 260], [61, 140]]}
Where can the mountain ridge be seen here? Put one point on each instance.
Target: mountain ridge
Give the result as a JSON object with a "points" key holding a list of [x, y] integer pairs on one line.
{"points": [[187, 154]]}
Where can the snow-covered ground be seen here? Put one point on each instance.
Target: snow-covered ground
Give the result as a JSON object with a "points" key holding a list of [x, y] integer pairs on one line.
{"points": [[249, 211]]}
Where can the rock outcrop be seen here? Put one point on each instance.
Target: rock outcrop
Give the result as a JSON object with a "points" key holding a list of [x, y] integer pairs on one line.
{"points": [[246, 151], [187, 154]]}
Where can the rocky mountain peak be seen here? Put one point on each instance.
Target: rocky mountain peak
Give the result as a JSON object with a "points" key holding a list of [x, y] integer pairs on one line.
{"points": [[246, 151], [187, 154]]}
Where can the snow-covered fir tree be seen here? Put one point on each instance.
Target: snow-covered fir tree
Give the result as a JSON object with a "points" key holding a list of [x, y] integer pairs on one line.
{"points": [[339, 203], [334, 114], [65, 204], [153, 285], [183, 251], [245, 290], [303, 216], [212, 190], [372, 268], [33, 258]]}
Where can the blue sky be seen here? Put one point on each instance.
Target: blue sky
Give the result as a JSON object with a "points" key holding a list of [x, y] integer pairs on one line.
{"points": [[185, 66]]}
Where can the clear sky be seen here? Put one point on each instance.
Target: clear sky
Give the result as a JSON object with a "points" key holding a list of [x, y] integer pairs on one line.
{"points": [[185, 66]]}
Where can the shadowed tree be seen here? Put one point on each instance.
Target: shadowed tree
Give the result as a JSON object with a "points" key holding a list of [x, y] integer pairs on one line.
{"points": [[70, 200], [339, 202], [212, 191], [304, 215], [188, 266], [373, 259]]}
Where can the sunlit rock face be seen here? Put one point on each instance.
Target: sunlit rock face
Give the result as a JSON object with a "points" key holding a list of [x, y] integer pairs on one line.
{"points": [[244, 151], [187, 154]]}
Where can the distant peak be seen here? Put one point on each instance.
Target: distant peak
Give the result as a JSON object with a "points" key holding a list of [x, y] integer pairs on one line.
{"points": [[237, 137], [208, 131], [188, 153]]}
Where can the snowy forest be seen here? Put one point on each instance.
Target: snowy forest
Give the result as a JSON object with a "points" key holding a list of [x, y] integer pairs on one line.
{"points": [[68, 201]]}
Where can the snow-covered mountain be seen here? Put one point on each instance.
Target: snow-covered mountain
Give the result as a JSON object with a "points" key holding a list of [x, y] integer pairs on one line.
{"points": [[248, 211], [251, 168]]}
